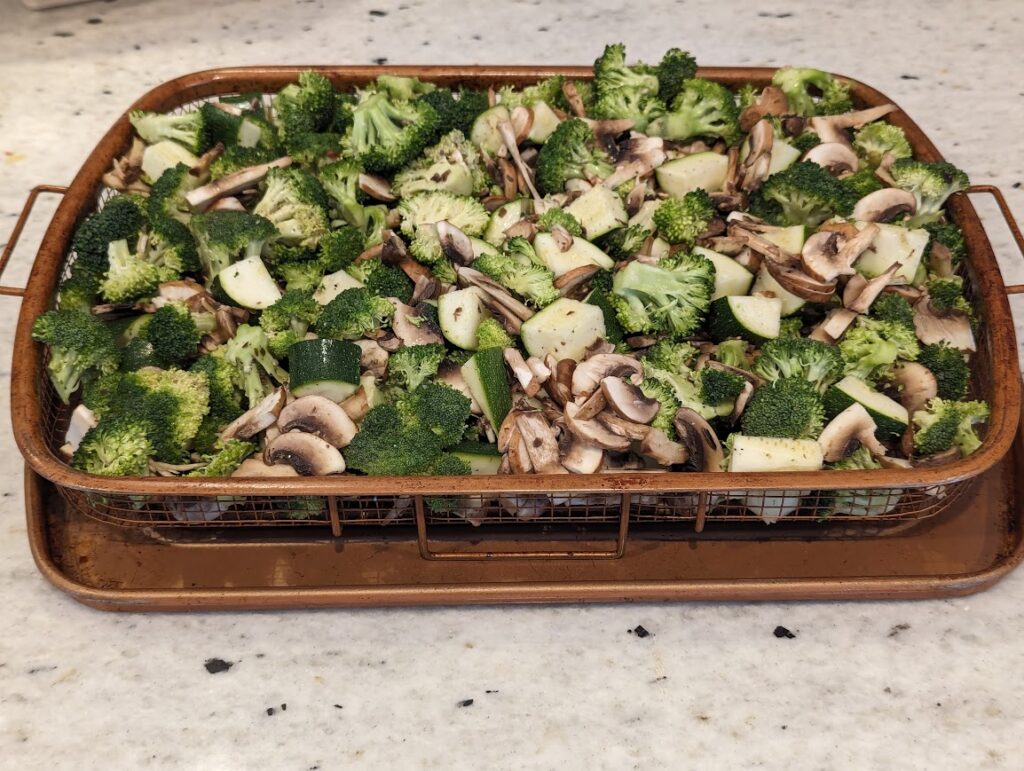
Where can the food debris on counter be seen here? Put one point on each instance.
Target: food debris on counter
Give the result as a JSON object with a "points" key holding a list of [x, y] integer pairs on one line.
{"points": [[639, 631], [216, 666], [465, 703], [781, 631], [895, 631]]}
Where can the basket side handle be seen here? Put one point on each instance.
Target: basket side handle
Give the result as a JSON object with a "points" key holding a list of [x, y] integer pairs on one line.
{"points": [[1011, 223], [19, 225]]}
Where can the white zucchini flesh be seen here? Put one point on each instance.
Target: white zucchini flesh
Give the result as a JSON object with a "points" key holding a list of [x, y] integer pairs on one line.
{"points": [[599, 211], [333, 284], [893, 244], [706, 171], [767, 453], [249, 284], [565, 329], [459, 315], [582, 252], [767, 286], [731, 278]]}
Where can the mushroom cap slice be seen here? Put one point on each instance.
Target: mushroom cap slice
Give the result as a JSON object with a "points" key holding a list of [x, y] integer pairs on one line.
{"points": [[859, 292], [455, 244], [771, 101], [255, 467], [318, 415], [917, 385], [659, 448], [884, 205], [835, 157], [526, 377], [623, 427], [306, 453], [578, 456], [592, 406], [701, 442], [421, 333], [834, 326], [799, 283], [953, 328], [850, 429], [257, 418], [628, 401], [541, 444], [593, 432], [587, 376]]}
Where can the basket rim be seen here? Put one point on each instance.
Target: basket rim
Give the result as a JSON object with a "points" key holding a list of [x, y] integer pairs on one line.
{"points": [[999, 342]]}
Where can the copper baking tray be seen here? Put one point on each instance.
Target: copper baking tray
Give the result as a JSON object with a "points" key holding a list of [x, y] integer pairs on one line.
{"points": [[356, 500]]}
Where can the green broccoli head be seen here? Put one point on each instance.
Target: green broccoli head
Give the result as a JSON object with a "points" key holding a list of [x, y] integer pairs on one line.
{"points": [[548, 90], [172, 249], [720, 387], [249, 353], [519, 269], [623, 243], [402, 87], [950, 236], [411, 365], [383, 280], [301, 275], [949, 367], [894, 307], [228, 458], [733, 353], [221, 377], [789, 408], [186, 128], [304, 107], [130, 276], [387, 133], [799, 357], [116, 447], [386, 445], [931, 184], [120, 218], [863, 182], [426, 248], [660, 391], [623, 91], [671, 297], [571, 152], [670, 355], [225, 236], [80, 290], [339, 248], [456, 110], [491, 334], [682, 220], [947, 294], [80, 345], [453, 165], [797, 84], [702, 108], [875, 140], [944, 423], [872, 347], [170, 403], [436, 407], [287, 321], [353, 314], [558, 216], [167, 195], [676, 67], [431, 207], [175, 333], [805, 194], [236, 158], [313, 150], [296, 204]]}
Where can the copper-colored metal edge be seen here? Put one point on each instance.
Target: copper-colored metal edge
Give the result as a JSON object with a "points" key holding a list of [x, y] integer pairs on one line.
{"points": [[27, 418]]}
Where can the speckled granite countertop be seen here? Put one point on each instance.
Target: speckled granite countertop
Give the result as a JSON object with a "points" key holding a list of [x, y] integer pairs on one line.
{"points": [[924, 685]]}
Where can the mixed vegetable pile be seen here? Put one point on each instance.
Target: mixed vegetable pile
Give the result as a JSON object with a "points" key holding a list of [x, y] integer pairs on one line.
{"points": [[643, 270]]}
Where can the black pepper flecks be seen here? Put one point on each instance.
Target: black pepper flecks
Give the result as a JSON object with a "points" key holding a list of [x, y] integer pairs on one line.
{"points": [[338, 706], [781, 631], [216, 666], [378, 13], [909, 77], [465, 703], [284, 707], [492, 691], [271, 711], [1016, 185], [639, 631], [380, 60]]}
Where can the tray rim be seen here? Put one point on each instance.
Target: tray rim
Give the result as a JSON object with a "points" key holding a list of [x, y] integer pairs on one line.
{"points": [[26, 406]]}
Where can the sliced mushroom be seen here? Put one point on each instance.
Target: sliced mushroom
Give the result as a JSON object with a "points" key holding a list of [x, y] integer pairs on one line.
{"points": [[860, 293], [255, 467], [257, 418], [827, 255], [563, 240], [830, 127], [539, 368], [578, 456], [200, 198], [659, 448], [754, 168], [559, 386], [374, 252], [702, 446], [508, 136], [524, 228], [940, 260], [593, 432], [589, 373], [917, 385], [522, 121], [572, 96], [741, 402], [357, 405], [799, 283], [541, 444], [885, 205], [413, 333], [522, 371], [628, 401], [496, 293], [376, 187], [518, 457], [373, 358], [850, 429], [455, 244], [953, 328], [771, 101], [306, 453], [82, 419], [591, 406], [623, 427], [318, 415], [834, 326], [638, 157], [835, 157], [228, 203]]}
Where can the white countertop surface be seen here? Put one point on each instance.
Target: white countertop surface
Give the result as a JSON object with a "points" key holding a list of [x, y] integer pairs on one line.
{"points": [[916, 685]]}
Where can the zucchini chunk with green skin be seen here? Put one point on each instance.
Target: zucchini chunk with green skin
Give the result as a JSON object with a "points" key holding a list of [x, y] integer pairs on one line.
{"points": [[459, 314], [504, 217], [768, 453], [756, 319], [249, 284], [580, 253], [704, 171], [482, 458], [731, 278], [325, 367], [891, 417], [487, 379], [564, 329], [599, 210]]}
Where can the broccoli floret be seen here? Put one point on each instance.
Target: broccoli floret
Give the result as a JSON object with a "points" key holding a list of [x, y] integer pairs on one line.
{"points": [[491, 334], [219, 125], [453, 164], [383, 280], [120, 218], [116, 447], [129, 276], [186, 128], [387, 133], [947, 294], [225, 399], [386, 446], [746, 95], [671, 297], [623, 243], [799, 357], [891, 306], [138, 353], [446, 465], [427, 208], [287, 321], [296, 204], [733, 353], [876, 139], [872, 346], [99, 394], [700, 109], [557, 216], [519, 269], [304, 107], [804, 141], [353, 314], [676, 67], [456, 110], [401, 87], [236, 158], [175, 333], [791, 327], [80, 290], [167, 196], [570, 152], [426, 248], [863, 182], [949, 367], [670, 356], [806, 194], [548, 90], [685, 387], [224, 236], [669, 405], [172, 248], [950, 236], [226, 460], [625, 92], [80, 345], [790, 408], [249, 353], [796, 83], [931, 183], [313, 150], [410, 365], [171, 404], [720, 387], [943, 424], [436, 407], [303, 276], [339, 248], [682, 220]]}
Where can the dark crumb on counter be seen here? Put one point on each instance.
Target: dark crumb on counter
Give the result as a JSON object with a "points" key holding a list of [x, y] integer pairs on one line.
{"points": [[477, 37], [107, 92], [784, 727], [895, 631], [639, 631], [378, 13], [781, 631], [271, 711], [767, 15], [284, 707], [94, 20], [260, 655], [465, 703], [492, 691], [542, 29], [37, 670], [380, 60], [659, 679], [216, 666], [1016, 185], [909, 77], [61, 33], [887, 689], [938, 704], [338, 706]]}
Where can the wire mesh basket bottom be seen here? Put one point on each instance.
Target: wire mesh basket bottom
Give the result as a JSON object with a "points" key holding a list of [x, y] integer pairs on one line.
{"points": [[752, 506]]}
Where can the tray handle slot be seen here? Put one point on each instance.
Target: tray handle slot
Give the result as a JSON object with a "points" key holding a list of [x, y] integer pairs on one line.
{"points": [[19, 225], [1011, 223], [616, 551]]}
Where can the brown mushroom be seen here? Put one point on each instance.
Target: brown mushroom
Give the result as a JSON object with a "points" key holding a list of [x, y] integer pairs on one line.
{"points": [[771, 101], [508, 136], [795, 281], [357, 405], [628, 401], [539, 368], [592, 406], [522, 121], [372, 358], [658, 447], [589, 373], [623, 427], [578, 456], [859, 292], [255, 467], [559, 386], [82, 420], [953, 328], [834, 326], [754, 168], [376, 187], [227, 203], [850, 429], [827, 255], [917, 385], [572, 96], [518, 457], [541, 444], [702, 446], [257, 418], [593, 432], [940, 260], [318, 415], [830, 127], [522, 371], [306, 453], [200, 198], [835, 157], [885, 205], [420, 332], [638, 156], [495, 293]]}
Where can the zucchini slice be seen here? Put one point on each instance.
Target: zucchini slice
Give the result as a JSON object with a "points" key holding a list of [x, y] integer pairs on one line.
{"points": [[249, 284], [756, 319], [487, 380], [891, 417], [565, 329], [768, 453], [326, 367]]}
